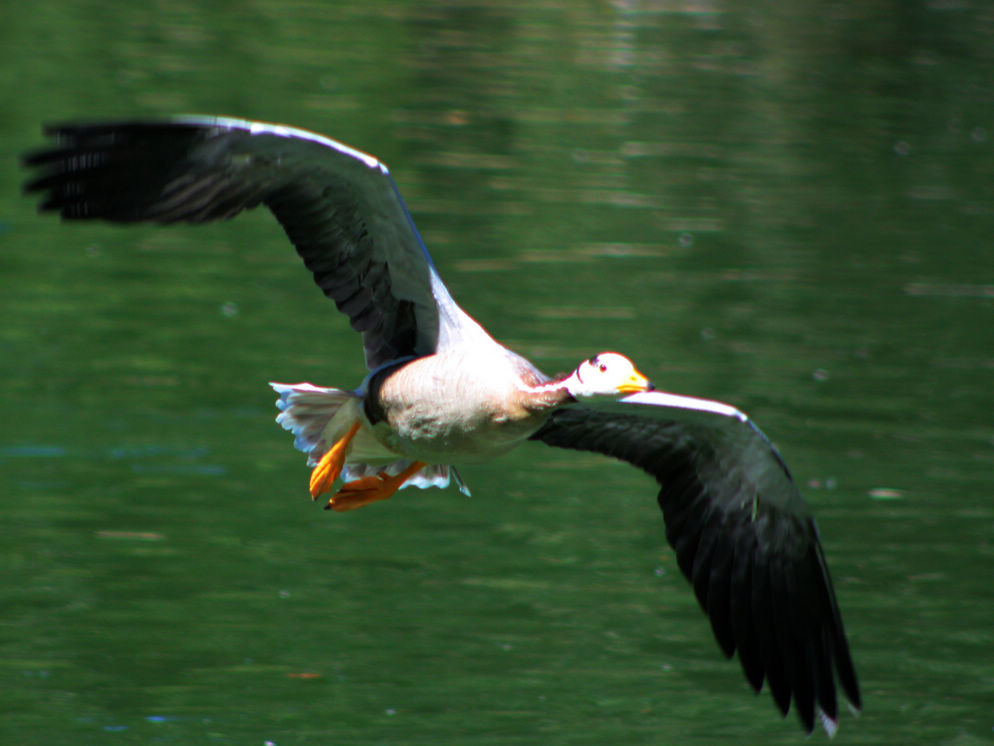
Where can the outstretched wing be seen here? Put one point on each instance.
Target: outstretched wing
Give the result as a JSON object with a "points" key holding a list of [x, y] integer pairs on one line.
{"points": [[742, 533], [340, 208]]}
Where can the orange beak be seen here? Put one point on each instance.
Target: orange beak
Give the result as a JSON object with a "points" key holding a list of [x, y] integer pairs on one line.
{"points": [[636, 384]]}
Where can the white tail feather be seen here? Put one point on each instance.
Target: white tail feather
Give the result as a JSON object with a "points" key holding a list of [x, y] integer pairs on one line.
{"points": [[307, 410]]}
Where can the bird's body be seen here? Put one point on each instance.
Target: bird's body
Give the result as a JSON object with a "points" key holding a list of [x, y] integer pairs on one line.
{"points": [[405, 412], [504, 401], [441, 391]]}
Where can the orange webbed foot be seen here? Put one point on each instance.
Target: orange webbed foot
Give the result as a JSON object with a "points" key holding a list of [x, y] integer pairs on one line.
{"points": [[367, 490], [331, 463]]}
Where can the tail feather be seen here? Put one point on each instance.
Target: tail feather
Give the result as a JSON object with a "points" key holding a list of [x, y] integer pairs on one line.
{"points": [[307, 410]]}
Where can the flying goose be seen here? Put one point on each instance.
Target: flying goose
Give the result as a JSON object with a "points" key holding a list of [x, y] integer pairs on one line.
{"points": [[440, 390]]}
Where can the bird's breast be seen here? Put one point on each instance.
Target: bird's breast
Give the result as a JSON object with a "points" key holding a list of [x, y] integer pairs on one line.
{"points": [[446, 409]]}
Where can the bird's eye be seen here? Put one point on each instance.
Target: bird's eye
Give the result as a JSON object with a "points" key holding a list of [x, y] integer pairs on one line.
{"points": [[603, 368]]}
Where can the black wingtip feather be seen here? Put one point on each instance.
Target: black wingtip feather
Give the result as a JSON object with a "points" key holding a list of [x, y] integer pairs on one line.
{"points": [[743, 622], [718, 600]]}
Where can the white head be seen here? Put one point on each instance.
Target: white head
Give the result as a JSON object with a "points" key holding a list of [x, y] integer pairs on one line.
{"points": [[606, 374]]}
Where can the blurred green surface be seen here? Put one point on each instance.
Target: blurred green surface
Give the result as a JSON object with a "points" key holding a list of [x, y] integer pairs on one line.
{"points": [[785, 207]]}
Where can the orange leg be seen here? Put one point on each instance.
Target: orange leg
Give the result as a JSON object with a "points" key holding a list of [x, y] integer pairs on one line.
{"points": [[370, 489], [330, 465]]}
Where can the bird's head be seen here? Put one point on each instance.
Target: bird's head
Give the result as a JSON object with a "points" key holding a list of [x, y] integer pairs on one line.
{"points": [[606, 374]]}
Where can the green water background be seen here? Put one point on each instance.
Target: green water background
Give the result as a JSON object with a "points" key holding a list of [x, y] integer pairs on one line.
{"points": [[784, 206]]}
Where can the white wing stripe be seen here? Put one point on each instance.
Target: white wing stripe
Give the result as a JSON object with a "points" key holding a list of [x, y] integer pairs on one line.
{"points": [[662, 399]]}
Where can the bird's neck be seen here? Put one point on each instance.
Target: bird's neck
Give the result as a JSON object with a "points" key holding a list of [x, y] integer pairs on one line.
{"points": [[546, 396]]}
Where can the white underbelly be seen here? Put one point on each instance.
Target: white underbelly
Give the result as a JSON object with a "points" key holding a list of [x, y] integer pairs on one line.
{"points": [[433, 435]]}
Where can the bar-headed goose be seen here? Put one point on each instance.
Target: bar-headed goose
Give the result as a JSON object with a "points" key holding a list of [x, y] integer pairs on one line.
{"points": [[441, 391]]}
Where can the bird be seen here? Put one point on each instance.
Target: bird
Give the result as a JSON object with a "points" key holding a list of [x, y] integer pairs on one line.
{"points": [[441, 391]]}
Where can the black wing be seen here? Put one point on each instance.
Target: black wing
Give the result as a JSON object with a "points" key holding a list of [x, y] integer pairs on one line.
{"points": [[743, 536], [340, 208]]}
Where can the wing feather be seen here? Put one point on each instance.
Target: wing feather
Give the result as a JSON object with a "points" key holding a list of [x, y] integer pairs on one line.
{"points": [[742, 534], [339, 207]]}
